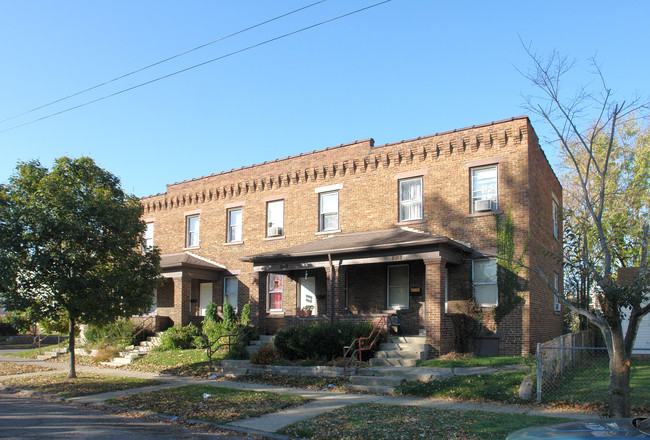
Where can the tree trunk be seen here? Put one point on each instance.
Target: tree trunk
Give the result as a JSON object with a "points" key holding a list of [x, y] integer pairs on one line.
{"points": [[72, 374], [619, 376]]}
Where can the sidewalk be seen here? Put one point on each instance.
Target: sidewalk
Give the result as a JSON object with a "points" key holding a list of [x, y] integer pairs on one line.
{"points": [[324, 401]]}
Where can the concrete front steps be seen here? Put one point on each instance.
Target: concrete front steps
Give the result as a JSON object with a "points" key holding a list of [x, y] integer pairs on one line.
{"points": [[51, 354], [255, 345], [131, 352], [389, 367]]}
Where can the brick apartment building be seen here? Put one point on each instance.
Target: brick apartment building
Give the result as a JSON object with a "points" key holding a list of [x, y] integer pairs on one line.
{"points": [[358, 231]]}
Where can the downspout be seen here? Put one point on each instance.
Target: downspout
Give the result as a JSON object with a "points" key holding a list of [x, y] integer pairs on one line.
{"points": [[330, 290]]}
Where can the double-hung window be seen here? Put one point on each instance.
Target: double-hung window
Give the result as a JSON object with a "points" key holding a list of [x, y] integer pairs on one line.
{"points": [[148, 237], [410, 199], [556, 219], [192, 231], [234, 225], [275, 218], [274, 296], [486, 292], [329, 211], [230, 291], [398, 287], [484, 189], [556, 284]]}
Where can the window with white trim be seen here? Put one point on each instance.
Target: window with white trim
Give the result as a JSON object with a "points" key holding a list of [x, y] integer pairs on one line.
{"points": [[328, 213], [556, 219], [484, 277], [556, 284], [192, 231], [484, 189], [275, 218], [398, 287], [410, 199], [234, 225], [274, 293], [148, 237], [231, 291]]}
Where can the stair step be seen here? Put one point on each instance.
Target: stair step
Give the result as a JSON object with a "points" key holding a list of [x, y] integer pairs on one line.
{"points": [[232, 363], [384, 371], [387, 346], [266, 339], [400, 354], [252, 349], [393, 362], [408, 339], [372, 389], [387, 381]]}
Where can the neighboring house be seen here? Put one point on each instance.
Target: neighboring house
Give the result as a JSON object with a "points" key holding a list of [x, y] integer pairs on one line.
{"points": [[359, 231], [626, 275]]}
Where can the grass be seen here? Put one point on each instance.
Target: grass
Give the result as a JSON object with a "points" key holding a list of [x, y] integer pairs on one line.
{"points": [[177, 362], [209, 403], [83, 385], [499, 387], [376, 421], [305, 382], [471, 361], [33, 352], [11, 368]]}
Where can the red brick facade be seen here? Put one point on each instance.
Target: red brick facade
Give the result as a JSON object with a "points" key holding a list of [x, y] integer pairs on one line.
{"points": [[367, 178]]}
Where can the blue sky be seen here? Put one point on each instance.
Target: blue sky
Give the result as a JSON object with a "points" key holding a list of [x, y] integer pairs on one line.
{"points": [[404, 69]]}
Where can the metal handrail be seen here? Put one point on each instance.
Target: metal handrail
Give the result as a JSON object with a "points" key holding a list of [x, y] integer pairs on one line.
{"points": [[351, 351], [144, 325], [211, 350]]}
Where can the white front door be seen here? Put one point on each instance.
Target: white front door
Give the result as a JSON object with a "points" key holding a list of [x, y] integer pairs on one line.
{"points": [[205, 296], [308, 293]]}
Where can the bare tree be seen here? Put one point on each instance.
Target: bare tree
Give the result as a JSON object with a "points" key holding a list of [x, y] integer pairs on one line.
{"points": [[586, 127]]}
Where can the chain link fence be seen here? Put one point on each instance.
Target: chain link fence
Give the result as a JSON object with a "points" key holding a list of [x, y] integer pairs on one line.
{"points": [[568, 370]]}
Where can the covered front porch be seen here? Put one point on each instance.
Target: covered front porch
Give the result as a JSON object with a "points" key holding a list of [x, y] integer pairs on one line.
{"points": [[363, 276]]}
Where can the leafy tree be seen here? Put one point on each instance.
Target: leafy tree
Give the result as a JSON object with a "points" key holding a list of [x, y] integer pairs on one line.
{"points": [[72, 244], [611, 213]]}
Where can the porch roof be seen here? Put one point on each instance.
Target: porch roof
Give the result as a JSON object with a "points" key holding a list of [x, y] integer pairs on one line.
{"points": [[187, 260], [361, 247]]}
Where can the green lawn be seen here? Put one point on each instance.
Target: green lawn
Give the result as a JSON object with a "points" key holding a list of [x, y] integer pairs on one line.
{"points": [[177, 362], [11, 368], [471, 361], [500, 387], [306, 382], [33, 352], [85, 384], [209, 403], [387, 422]]}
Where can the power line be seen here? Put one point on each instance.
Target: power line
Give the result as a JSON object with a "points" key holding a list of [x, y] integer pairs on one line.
{"points": [[198, 65], [161, 62]]}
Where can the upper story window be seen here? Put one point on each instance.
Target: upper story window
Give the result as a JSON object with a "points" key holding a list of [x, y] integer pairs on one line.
{"points": [[484, 277], [192, 231], [328, 211], [275, 218], [410, 199], [556, 284], [234, 225], [148, 237], [484, 189], [556, 219]]}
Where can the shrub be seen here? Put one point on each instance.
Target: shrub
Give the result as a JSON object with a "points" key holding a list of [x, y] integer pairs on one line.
{"points": [[118, 334], [182, 338], [6, 329], [229, 317], [212, 312], [320, 340], [246, 314], [266, 355]]}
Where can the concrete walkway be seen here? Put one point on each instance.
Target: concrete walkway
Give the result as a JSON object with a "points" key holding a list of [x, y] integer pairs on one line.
{"points": [[324, 401]]}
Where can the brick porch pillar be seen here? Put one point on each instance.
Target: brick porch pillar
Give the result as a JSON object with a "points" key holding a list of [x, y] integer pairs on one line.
{"points": [[439, 327], [257, 300], [182, 289], [335, 291]]}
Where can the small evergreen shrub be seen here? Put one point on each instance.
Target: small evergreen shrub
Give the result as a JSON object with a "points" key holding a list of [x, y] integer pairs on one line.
{"points": [[266, 355], [229, 318], [321, 340], [182, 338], [245, 314], [118, 334], [212, 312]]}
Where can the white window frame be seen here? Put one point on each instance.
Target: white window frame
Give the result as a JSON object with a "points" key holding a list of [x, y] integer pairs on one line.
{"points": [[405, 205], [270, 289], [322, 215], [476, 197], [486, 283], [234, 291], [389, 286], [271, 225], [557, 306], [192, 235], [556, 219], [234, 234], [148, 236]]}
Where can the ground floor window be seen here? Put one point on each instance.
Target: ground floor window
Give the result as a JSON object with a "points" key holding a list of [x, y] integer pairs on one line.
{"points": [[486, 292], [230, 291], [398, 287], [274, 297]]}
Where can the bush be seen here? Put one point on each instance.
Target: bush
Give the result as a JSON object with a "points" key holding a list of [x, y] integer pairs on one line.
{"points": [[246, 314], [182, 338], [266, 355], [320, 340], [118, 334], [229, 317], [6, 329], [212, 312]]}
